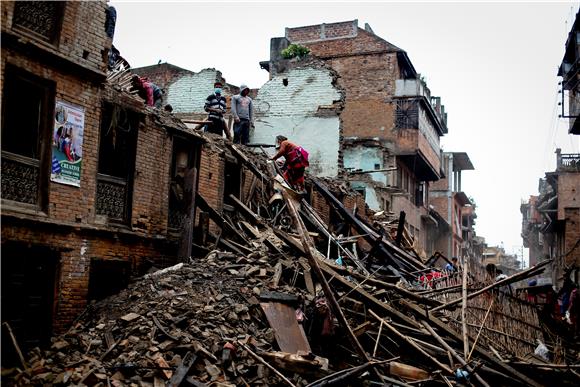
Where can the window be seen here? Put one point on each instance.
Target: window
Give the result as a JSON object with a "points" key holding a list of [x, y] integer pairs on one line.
{"points": [[41, 18], [232, 180], [107, 277], [181, 187], [117, 150], [407, 115], [420, 194], [27, 106]]}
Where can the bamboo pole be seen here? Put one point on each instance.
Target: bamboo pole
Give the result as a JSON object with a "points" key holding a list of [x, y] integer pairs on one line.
{"points": [[513, 278], [453, 352], [306, 243], [480, 329], [411, 343], [378, 338], [463, 309]]}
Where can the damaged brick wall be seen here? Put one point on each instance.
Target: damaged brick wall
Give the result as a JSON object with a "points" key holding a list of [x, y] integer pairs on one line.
{"points": [[304, 105], [185, 90], [211, 179], [68, 226]]}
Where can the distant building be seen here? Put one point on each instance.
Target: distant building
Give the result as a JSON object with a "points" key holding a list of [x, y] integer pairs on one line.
{"points": [[454, 207], [507, 263]]}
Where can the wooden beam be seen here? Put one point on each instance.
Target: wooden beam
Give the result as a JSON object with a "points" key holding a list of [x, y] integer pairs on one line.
{"points": [[249, 214], [412, 343], [306, 245]]}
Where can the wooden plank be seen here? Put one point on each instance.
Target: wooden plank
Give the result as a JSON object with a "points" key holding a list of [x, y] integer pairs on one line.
{"points": [[216, 217], [277, 274], [282, 319], [182, 370], [251, 166], [251, 230], [369, 234], [307, 244], [383, 306], [251, 191], [412, 343], [307, 276], [249, 214]]}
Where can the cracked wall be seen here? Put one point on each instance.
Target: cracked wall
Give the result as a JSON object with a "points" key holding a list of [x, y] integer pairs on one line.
{"points": [[305, 111]]}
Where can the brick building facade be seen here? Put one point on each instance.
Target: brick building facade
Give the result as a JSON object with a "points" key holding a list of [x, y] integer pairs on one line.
{"points": [[449, 200], [65, 244], [551, 221]]}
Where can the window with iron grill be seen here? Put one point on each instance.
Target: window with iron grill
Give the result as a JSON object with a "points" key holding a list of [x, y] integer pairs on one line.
{"points": [[42, 18], [407, 115], [27, 105], [117, 149], [181, 186]]}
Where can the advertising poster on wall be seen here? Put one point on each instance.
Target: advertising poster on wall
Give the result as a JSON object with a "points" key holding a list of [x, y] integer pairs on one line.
{"points": [[67, 144]]}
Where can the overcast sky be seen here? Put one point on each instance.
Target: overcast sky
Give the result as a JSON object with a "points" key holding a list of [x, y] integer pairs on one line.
{"points": [[493, 64]]}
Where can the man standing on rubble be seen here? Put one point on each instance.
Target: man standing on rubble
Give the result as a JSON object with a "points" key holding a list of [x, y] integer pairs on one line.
{"points": [[215, 105], [295, 164], [243, 112], [147, 90]]}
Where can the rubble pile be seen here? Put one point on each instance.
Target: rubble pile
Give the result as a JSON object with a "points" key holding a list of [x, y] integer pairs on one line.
{"points": [[140, 335], [292, 303]]}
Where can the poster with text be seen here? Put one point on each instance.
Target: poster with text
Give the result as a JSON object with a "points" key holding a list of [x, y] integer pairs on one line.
{"points": [[67, 144]]}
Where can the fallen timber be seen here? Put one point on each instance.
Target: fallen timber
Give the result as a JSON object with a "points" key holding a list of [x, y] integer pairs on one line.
{"points": [[201, 323]]}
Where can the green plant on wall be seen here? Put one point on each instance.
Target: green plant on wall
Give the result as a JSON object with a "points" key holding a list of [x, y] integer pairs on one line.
{"points": [[295, 51]]}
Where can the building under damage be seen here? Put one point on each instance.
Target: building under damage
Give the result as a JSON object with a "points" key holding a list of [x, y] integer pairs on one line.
{"points": [[76, 231], [100, 191], [551, 219], [359, 106]]}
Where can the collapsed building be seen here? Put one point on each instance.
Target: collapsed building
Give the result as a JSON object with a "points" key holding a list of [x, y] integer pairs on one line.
{"points": [[77, 223], [86, 169], [359, 106], [99, 191]]}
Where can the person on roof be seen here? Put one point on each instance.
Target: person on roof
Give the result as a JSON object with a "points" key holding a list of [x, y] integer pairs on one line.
{"points": [[243, 112], [296, 161], [215, 105], [147, 90]]}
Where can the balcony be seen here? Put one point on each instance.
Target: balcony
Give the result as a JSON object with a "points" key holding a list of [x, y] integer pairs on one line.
{"points": [[414, 88], [418, 154], [568, 162]]}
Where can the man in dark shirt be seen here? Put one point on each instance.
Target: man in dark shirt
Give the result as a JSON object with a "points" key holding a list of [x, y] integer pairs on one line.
{"points": [[215, 105]]}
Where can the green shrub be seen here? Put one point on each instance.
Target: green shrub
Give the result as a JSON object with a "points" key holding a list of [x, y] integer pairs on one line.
{"points": [[295, 51]]}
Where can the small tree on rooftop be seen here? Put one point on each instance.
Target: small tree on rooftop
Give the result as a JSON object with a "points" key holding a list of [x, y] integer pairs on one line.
{"points": [[295, 51]]}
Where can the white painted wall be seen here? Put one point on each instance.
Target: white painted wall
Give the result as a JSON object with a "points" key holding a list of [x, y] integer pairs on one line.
{"points": [[188, 93], [365, 159], [292, 111]]}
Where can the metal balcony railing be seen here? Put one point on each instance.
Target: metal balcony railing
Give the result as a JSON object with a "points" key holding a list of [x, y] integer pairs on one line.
{"points": [[568, 161]]}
